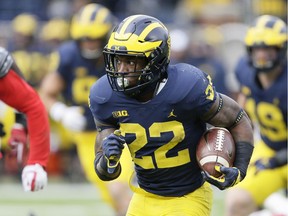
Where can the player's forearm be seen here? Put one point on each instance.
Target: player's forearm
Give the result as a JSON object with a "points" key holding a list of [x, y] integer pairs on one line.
{"points": [[243, 136], [232, 117], [39, 133], [51, 86], [242, 130], [27, 101], [101, 162]]}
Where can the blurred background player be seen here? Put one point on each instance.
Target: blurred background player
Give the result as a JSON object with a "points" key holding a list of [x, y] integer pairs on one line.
{"points": [[79, 63], [54, 32], [16, 93], [200, 51], [263, 78], [27, 50]]}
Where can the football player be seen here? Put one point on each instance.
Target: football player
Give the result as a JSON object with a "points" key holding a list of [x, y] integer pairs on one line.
{"points": [[78, 64], [160, 112], [16, 93], [27, 50], [263, 78]]}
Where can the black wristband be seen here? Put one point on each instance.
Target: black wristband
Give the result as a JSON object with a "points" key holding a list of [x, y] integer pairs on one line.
{"points": [[100, 167], [244, 152]]}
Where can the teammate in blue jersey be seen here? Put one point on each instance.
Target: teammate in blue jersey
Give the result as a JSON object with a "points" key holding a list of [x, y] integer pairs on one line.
{"points": [[79, 63], [263, 78], [160, 111]]}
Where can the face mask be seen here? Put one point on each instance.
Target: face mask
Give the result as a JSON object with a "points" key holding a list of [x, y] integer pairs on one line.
{"points": [[91, 54], [262, 64]]}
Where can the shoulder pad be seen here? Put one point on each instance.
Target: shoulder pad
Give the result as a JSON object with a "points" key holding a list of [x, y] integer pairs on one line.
{"points": [[101, 91], [6, 62]]}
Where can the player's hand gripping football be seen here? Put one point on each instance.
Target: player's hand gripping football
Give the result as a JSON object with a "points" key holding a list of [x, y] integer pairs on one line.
{"points": [[112, 148], [34, 177], [231, 176]]}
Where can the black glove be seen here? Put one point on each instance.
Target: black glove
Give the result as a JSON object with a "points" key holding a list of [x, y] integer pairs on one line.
{"points": [[112, 150], [230, 178]]}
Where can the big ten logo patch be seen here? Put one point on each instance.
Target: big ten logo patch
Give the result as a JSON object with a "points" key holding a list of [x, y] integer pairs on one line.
{"points": [[121, 113]]}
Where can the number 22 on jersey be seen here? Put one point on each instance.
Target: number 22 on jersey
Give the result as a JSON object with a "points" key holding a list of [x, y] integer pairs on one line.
{"points": [[155, 130]]}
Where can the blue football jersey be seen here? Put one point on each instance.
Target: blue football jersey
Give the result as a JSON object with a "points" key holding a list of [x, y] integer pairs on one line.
{"points": [[267, 107], [162, 134], [79, 75]]}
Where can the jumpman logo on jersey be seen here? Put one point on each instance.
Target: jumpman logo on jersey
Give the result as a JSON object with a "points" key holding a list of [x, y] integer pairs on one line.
{"points": [[171, 114]]}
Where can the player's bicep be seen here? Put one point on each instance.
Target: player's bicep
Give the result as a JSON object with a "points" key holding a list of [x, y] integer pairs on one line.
{"points": [[50, 88], [223, 112]]}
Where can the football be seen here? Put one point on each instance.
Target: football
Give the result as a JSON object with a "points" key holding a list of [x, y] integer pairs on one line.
{"points": [[216, 146]]}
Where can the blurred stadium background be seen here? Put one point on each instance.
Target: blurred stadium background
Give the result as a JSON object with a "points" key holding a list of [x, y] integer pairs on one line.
{"points": [[209, 29]]}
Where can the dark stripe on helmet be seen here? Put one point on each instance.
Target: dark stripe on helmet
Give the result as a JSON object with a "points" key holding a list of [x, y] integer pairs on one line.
{"points": [[270, 23], [141, 20], [92, 17], [95, 12], [131, 27], [156, 34]]}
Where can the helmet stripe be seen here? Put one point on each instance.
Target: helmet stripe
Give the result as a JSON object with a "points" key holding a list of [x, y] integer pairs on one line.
{"points": [[88, 14], [127, 22], [261, 23], [148, 29]]}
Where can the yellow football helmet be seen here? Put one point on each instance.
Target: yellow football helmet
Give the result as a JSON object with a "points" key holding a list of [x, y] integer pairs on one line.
{"points": [[138, 36], [268, 31], [93, 21], [55, 29], [25, 24]]}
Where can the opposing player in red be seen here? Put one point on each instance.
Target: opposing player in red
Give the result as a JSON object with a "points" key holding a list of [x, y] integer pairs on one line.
{"points": [[16, 93]]}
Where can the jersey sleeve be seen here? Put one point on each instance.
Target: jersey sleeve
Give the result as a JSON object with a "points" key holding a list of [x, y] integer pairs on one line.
{"points": [[198, 88], [99, 103], [206, 94], [18, 94]]}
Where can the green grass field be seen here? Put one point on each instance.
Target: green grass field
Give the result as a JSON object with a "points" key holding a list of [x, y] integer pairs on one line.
{"points": [[64, 199]]}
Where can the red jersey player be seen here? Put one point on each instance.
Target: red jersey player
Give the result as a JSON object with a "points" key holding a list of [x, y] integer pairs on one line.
{"points": [[17, 93]]}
